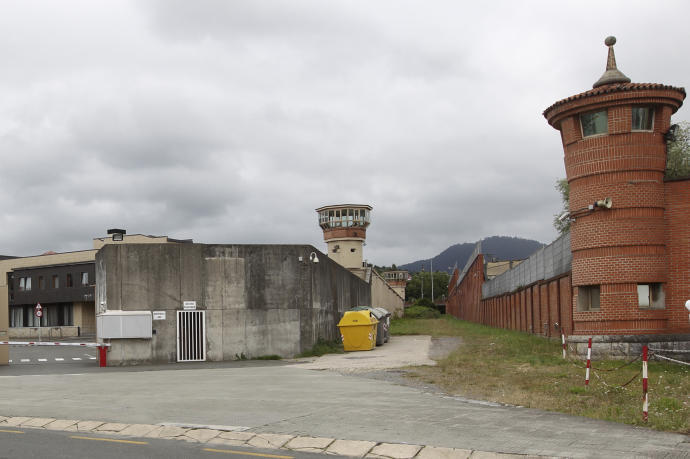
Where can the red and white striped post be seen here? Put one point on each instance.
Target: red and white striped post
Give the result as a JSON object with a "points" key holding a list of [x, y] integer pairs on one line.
{"points": [[589, 361], [645, 398], [563, 341]]}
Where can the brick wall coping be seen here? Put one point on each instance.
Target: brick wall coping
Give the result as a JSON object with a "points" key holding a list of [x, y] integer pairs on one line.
{"points": [[611, 88]]}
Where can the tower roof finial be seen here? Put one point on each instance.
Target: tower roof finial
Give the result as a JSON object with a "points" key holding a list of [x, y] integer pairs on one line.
{"points": [[612, 74]]}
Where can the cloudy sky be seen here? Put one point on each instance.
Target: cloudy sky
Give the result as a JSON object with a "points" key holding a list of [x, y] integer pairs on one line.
{"points": [[231, 121]]}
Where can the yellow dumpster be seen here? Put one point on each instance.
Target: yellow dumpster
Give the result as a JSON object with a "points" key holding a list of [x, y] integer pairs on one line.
{"points": [[358, 330]]}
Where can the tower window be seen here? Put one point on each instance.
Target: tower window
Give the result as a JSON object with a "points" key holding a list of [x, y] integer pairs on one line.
{"points": [[651, 296], [642, 118], [594, 123], [588, 298]]}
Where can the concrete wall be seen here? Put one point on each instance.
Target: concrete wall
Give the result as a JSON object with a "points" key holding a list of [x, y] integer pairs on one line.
{"points": [[385, 296], [259, 299]]}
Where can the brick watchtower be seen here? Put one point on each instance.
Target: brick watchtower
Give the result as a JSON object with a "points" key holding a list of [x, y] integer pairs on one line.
{"points": [[614, 140], [345, 230]]}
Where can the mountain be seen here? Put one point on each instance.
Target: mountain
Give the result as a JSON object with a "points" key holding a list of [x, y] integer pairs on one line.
{"points": [[498, 247]]}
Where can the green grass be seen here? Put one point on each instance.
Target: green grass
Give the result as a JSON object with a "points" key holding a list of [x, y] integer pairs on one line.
{"points": [[421, 312], [324, 347], [522, 369]]}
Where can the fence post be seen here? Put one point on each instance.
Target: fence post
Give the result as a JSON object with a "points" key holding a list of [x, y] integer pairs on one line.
{"points": [[563, 341], [589, 361], [645, 399]]}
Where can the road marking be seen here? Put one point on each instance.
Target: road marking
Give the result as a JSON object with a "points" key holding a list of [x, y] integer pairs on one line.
{"points": [[76, 358], [25, 360], [92, 358], [59, 359], [12, 431], [245, 453], [112, 440], [42, 360]]}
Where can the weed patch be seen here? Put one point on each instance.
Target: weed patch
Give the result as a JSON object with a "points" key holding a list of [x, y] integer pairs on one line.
{"points": [[324, 347], [521, 369]]}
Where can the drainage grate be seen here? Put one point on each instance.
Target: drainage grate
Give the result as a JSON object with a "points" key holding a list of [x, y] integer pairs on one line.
{"points": [[191, 336]]}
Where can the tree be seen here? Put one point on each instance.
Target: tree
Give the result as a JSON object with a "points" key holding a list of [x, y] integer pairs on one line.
{"points": [[678, 153], [562, 225], [413, 290]]}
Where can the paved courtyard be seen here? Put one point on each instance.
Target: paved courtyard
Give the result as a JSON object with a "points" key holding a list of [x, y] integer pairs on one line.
{"points": [[304, 399]]}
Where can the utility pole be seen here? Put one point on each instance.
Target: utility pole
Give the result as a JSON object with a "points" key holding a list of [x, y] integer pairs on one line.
{"points": [[422, 277], [432, 280]]}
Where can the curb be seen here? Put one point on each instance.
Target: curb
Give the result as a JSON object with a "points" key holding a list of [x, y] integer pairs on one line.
{"points": [[241, 436]]}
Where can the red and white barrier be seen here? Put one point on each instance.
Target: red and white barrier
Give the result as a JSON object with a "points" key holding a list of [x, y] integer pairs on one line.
{"points": [[563, 341], [102, 347], [51, 343], [645, 399], [589, 361]]}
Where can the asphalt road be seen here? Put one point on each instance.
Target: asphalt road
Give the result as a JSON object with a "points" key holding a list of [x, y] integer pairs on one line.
{"points": [[17, 443], [52, 356]]}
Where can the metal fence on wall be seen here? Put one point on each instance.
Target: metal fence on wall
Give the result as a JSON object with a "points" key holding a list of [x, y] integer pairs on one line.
{"points": [[547, 262]]}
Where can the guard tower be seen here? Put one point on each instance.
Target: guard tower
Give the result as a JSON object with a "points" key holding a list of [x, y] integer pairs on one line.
{"points": [[614, 139], [345, 230]]}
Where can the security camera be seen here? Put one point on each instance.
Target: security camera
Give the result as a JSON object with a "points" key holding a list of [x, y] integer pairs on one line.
{"points": [[563, 216], [313, 258]]}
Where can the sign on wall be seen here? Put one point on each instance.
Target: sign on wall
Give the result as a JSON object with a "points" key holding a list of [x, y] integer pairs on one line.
{"points": [[189, 305], [158, 315]]}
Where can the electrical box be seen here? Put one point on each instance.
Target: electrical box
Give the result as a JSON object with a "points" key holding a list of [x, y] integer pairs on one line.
{"points": [[124, 324]]}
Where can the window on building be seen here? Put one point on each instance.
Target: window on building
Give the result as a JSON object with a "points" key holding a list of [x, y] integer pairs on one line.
{"points": [[55, 281], [24, 284], [16, 316], [84, 279], [594, 123], [68, 280], [651, 296], [41, 283], [588, 298], [642, 118]]}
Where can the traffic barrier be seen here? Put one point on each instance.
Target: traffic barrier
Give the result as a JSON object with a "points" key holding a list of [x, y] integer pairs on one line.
{"points": [[589, 361], [645, 399], [102, 347]]}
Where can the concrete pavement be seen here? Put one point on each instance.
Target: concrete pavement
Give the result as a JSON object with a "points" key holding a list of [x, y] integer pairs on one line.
{"points": [[283, 399]]}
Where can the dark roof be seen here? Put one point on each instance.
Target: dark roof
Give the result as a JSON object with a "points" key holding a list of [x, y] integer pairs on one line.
{"points": [[617, 87]]}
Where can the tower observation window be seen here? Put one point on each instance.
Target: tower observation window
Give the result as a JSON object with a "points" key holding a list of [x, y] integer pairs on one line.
{"points": [[594, 123]]}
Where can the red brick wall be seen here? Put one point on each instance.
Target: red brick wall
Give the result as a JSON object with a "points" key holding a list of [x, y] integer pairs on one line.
{"points": [[534, 309], [463, 300], [678, 246]]}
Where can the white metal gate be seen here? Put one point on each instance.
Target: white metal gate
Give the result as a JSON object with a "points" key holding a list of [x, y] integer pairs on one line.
{"points": [[191, 336]]}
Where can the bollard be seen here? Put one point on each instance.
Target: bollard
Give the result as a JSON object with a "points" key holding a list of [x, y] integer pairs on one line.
{"points": [[563, 340], [589, 361], [645, 399], [102, 356]]}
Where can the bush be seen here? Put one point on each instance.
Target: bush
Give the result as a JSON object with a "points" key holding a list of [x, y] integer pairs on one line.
{"points": [[425, 302], [421, 312]]}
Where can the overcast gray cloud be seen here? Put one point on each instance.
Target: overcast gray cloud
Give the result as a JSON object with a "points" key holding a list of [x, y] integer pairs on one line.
{"points": [[230, 122]]}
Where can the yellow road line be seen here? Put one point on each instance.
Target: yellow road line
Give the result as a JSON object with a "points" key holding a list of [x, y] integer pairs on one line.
{"points": [[228, 451], [112, 440], [11, 431]]}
